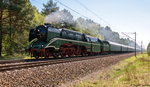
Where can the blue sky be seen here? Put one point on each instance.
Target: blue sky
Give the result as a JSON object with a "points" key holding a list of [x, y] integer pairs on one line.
{"points": [[122, 15]]}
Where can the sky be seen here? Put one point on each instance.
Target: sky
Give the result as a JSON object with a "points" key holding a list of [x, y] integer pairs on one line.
{"points": [[121, 15]]}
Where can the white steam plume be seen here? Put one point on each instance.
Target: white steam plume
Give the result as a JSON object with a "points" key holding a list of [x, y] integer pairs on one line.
{"points": [[59, 17]]}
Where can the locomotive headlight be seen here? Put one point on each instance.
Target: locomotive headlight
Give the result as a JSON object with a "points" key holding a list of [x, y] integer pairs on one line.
{"points": [[42, 45]]}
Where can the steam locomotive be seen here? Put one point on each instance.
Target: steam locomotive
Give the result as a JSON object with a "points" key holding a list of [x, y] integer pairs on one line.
{"points": [[46, 41]]}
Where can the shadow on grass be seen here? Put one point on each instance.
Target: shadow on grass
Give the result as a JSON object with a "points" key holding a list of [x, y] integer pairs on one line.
{"points": [[14, 56]]}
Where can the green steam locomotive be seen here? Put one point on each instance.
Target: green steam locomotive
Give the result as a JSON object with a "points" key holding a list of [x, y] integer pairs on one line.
{"points": [[46, 41]]}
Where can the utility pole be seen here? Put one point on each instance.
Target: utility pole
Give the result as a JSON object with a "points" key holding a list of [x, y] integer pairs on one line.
{"points": [[132, 39], [135, 44], [141, 47]]}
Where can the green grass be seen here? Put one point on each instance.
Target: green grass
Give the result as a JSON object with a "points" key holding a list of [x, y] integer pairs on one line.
{"points": [[131, 72], [15, 56]]}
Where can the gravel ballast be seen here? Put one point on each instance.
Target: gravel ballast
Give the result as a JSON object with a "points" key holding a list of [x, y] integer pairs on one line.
{"points": [[55, 75]]}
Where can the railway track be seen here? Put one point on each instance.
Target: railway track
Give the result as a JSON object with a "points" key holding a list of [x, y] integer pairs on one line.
{"points": [[22, 64]]}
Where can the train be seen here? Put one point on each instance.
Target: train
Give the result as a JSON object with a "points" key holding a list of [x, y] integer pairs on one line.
{"points": [[46, 40]]}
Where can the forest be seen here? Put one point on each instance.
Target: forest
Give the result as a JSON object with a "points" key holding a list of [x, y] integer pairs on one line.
{"points": [[17, 17]]}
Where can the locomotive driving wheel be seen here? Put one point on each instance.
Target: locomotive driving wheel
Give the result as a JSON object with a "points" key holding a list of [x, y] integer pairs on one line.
{"points": [[36, 57], [63, 52], [72, 51], [69, 52], [47, 54], [35, 54], [77, 51], [56, 54]]}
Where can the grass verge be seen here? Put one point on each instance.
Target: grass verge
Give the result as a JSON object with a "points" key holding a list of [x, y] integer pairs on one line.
{"points": [[15, 56], [131, 72]]}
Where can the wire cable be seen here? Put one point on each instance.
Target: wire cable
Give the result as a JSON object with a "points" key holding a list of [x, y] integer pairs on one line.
{"points": [[77, 1], [71, 9]]}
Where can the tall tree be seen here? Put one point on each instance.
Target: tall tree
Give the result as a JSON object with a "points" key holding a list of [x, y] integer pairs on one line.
{"points": [[49, 8], [18, 16], [38, 18], [1, 16], [3, 6], [148, 49]]}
